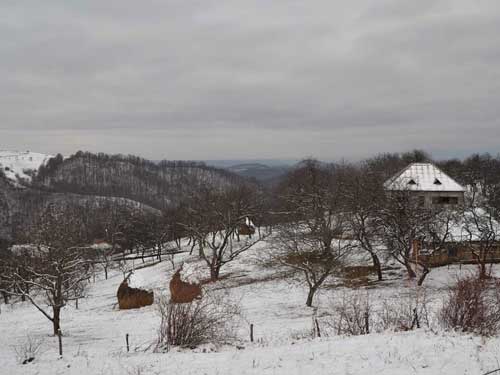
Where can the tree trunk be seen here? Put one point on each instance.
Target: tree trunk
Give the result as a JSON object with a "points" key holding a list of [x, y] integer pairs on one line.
{"points": [[377, 265], [192, 246], [5, 298], [106, 272], [56, 319], [214, 273], [310, 296], [411, 273], [482, 271], [422, 277]]}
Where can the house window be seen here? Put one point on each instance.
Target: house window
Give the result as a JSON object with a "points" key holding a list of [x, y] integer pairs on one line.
{"points": [[437, 182], [445, 200], [412, 182]]}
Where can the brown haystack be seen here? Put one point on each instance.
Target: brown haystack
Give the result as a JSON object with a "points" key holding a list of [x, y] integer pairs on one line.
{"points": [[246, 230], [182, 292], [133, 298]]}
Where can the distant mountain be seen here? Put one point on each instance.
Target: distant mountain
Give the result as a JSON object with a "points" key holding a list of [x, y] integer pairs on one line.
{"points": [[20, 166], [260, 172]]}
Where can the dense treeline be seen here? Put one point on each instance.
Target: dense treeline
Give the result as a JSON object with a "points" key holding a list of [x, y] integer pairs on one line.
{"points": [[161, 185]]}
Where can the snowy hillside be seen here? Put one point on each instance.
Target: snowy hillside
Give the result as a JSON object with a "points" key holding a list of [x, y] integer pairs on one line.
{"points": [[94, 340], [19, 166]]}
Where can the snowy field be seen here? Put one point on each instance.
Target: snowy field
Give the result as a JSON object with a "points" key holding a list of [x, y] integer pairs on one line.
{"points": [[94, 335]]}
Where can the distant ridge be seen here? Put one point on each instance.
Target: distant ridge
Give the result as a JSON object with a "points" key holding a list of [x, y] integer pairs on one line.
{"points": [[260, 172]]}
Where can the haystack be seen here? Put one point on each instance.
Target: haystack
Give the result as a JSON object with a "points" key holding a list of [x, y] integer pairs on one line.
{"points": [[133, 298], [181, 291]]}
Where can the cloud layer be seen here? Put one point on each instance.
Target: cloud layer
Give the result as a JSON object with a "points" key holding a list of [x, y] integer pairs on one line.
{"points": [[250, 79]]}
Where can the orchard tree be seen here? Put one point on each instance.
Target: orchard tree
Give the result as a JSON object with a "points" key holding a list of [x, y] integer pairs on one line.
{"points": [[213, 220], [404, 222], [58, 271], [311, 242], [480, 234], [364, 198]]}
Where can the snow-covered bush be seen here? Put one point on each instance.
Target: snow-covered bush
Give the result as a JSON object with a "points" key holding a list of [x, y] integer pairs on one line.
{"points": [[472, 305], [28, 350], [352, 315], [213, 319], [356, 314], [404, 315]]}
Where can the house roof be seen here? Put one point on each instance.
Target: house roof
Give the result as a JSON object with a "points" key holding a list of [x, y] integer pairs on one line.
{"points": [[423, 177]]}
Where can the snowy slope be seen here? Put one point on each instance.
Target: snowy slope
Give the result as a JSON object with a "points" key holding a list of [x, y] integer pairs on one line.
{"points": [[18, 166], [94, 338]]}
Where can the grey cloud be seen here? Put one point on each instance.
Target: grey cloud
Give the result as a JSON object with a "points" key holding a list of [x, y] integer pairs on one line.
{"points": [[215, 79]]}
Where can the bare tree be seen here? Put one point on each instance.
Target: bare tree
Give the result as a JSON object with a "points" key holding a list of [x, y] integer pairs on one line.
{"points": [[480, 234], [214, 219], [312, 241], [59, 269], [406, 223], [364, 197]]}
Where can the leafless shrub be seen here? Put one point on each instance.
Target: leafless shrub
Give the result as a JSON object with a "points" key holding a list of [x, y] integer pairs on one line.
{"points": [[213, 319], [356, 314], [28, 350], [400, 315], [472, 305], [352, 315]]}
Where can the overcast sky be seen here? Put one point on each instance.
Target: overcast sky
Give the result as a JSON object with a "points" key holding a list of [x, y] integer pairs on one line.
{"points": [[234, 79]]}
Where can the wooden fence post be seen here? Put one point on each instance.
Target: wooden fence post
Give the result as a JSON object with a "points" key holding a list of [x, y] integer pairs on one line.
{"points": [[128, 346], [251, 332]]}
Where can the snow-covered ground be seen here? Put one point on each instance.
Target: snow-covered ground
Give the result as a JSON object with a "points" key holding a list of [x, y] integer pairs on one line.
{"points": [[94, 335], [18, 165]]}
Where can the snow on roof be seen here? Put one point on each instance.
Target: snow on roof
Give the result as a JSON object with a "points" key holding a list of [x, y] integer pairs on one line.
{"points": [[422, 177]]}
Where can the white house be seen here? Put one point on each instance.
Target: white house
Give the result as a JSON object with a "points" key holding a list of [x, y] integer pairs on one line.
{"points": [[430, 184]]}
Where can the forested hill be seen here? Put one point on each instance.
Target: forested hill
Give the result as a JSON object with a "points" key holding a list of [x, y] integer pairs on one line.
{"points": [[160, 185], [5, 210]]}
